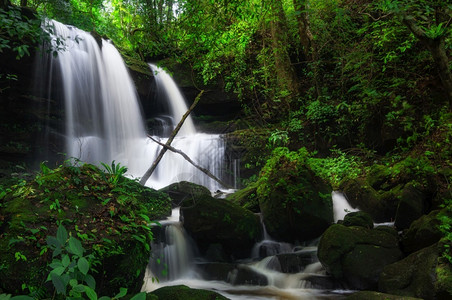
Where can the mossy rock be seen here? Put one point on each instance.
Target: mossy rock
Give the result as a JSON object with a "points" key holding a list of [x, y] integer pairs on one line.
{"points": [[414, 203], [296, 204], [246, 197], [358, 218], [357, 255], [182, 292], [371, 295], [219, 221], [422, 233], [109, 217], [413, 276], [180, 191]]}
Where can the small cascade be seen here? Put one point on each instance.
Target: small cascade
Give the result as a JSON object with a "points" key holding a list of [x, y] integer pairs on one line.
{"points": [[341, 207], [103, 120], [172, 252]]}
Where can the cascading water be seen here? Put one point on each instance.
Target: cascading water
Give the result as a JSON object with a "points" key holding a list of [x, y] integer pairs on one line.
{"points": [[103, 121]]}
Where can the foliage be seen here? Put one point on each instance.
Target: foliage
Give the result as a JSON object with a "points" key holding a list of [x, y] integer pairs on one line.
{"points": [[18, 32]]}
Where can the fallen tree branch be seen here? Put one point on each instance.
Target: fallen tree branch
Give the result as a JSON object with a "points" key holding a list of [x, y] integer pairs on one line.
{"points": [[187, 158], [149, 172]]}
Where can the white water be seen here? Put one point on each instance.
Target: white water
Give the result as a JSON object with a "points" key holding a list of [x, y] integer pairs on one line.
{"points": [[103, 120], [182, 270], [341, 207]]}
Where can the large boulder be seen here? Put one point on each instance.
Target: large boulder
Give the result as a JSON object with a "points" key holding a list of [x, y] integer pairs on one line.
{"points": [[358, 218], [180, 191], [371, 295], [413, 276], [402, 192], [356, 255], [221, 224], [422, 233], [246, 197], [295, 203]]}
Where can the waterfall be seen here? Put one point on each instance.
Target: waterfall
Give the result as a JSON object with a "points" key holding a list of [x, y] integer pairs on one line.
{"points": [[103, 120]]}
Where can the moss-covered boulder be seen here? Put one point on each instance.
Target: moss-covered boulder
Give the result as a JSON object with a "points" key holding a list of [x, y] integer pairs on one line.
{"points": [[422, 233], [413, 276], [402, 192], [213, 222], [296, 204], [356, 255], [108, 213], [180, 191], [358, 218], [182, 292], [246, 197]]}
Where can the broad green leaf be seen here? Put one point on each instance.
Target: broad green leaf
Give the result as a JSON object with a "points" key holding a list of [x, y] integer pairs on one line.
{"points": [[90, 281], [58, 271], [139, 296], [75, 247], [83, 265], [90, 293], [66, 260], [58, 283], [61, 234], [21, 297]]}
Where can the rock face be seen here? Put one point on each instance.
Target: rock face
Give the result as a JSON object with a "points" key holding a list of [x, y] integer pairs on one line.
{"points": [[403, 192], [180, 191], [358, 218], [356, 255], [369, 295], [422, 233], [220, 227], [413, 276], [295, 203]]}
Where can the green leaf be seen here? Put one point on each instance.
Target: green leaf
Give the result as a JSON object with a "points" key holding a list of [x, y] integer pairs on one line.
{"points": [[52, 241], [58, 271], [139, 296], [104, 298], [90, 281], [83, 265], [75, 247], [90, 293], [122, 293], [66, 260], [58, 283], [21, 297], [61, 234]]}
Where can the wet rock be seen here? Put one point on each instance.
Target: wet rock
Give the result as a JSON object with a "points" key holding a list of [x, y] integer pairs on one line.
{"points": [[323, 282], [413, 276], [182, 292], [246, 197], [296, 262], [218, 221], [296, 204], [232, 273], [412, 205], [370, 295], [180, 191], [357, 254], [358, 218], [422, 233]]}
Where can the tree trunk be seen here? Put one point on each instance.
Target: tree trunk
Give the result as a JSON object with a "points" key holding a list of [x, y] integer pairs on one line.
{"points": [[304, 28], [285, 73], [438, 51]]}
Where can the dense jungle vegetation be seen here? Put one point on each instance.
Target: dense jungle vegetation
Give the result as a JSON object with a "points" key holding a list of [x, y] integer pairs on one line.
{"points": [[355, 82]]}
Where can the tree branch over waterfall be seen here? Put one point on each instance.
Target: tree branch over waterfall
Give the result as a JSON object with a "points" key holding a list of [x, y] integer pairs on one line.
{"points": [[149, 172], [187, 158]]}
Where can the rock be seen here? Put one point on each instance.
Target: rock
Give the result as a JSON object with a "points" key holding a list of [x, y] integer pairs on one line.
{"points": [[182, 292], [235, 274], [412, 205], [180, 191], [296, 204], [218, 221], [413, 276], [358, 218], [323, 282], [357, 255], [246, 197], [382, 207], [296, 262], [369, 295], [422, 233]]}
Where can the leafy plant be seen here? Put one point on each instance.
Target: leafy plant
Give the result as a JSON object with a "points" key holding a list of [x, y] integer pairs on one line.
{"points": [[116, 172]]}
